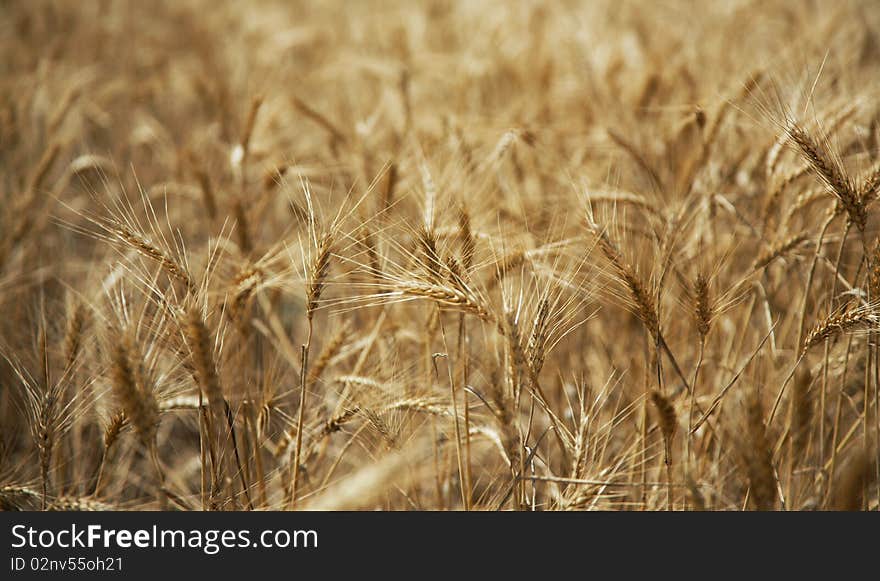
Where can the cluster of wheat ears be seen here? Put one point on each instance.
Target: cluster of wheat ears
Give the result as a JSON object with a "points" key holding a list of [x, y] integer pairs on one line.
{"points": [[439, 255]]}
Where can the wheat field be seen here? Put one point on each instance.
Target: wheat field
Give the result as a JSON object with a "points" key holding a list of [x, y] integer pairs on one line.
{"points": [[439, 255]]}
